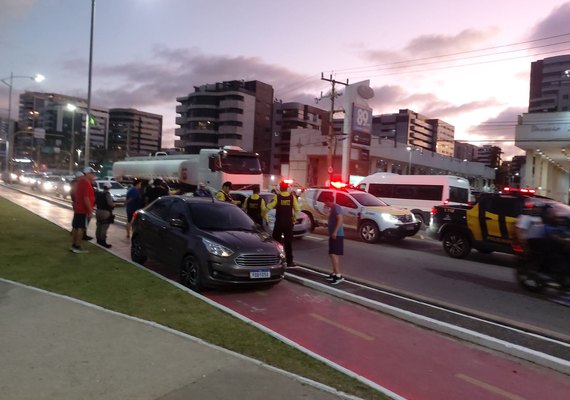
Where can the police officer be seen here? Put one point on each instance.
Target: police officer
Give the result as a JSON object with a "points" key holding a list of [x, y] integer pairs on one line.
{"points": [[286, 209], [224, 194], [255, 207]]}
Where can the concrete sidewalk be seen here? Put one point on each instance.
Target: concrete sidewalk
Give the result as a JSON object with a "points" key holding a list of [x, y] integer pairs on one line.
{"points": [[55, 347]]}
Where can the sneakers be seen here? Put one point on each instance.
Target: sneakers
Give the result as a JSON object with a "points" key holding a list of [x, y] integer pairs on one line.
{"points": [[77, 250], [336, 279], [330, 277]]}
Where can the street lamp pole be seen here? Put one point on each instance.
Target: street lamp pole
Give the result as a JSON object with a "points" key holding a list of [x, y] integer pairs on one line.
{"points": [[9, 139], [88, 117], [72, 107]]}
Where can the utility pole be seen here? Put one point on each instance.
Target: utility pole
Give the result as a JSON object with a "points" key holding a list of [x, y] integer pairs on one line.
{"points": [[332, 96]]}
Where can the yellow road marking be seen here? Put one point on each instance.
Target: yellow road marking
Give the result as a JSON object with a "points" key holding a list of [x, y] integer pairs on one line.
{"points": [[344, 328], [490, 388]]}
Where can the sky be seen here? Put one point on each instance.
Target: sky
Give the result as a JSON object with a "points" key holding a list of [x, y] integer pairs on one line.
{"points": [[464, 62]]}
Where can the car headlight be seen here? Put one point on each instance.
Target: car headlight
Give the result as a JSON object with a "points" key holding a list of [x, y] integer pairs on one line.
{"points": [[281, 250], [216, 248], [66, 187], [389, 218]]}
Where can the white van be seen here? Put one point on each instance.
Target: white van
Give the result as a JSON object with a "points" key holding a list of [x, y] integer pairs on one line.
{"points": [[417, 193]]}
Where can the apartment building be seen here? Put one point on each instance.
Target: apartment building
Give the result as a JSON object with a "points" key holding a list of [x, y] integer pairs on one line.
{"points": [[550, 85], [237, 113], [133, 132]]}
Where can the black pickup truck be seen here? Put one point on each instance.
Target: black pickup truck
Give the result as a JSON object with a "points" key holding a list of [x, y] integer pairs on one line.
{"points": [[487, 226]]}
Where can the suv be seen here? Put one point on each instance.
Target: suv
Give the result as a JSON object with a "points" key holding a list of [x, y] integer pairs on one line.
{"points": [[361, 211]]}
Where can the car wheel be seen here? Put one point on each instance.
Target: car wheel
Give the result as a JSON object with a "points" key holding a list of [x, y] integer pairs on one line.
{"points": [[420, 218], [369, 232], [313, 225], [190, 273], [138, 254], [456, 244]]}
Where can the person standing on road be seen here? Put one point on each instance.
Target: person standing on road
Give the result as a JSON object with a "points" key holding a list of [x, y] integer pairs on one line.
{"points": [[104, 215], [336, 238], [134, 202], [83, 202], [254, 206], [224, 194], [286, 209]]}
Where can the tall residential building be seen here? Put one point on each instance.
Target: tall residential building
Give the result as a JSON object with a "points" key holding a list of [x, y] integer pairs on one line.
{"points": [[489, 155], [234, 113], [416, 130], [465, 151], [550, 85], [50, 112], [292, 115], [133, 132]]}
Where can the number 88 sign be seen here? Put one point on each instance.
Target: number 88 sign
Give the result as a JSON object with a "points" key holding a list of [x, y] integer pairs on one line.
{"points": [[361, 119]]}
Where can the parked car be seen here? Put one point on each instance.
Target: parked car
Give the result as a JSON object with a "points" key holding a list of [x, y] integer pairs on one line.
{"points": [[302, 225], [118, 191], [208, 243], [361, 211]]}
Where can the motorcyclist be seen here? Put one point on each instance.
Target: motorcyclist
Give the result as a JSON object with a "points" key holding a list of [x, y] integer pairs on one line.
{"points": [[557, 246]]}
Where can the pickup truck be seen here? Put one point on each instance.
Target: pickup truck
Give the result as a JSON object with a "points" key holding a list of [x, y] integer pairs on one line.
{"points": [[488, 225]]}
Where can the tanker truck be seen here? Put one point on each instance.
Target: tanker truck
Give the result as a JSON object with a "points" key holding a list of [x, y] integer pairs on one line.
{"points": [[184, 172]]}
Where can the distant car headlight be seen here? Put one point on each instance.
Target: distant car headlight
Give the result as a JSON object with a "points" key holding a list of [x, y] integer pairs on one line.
{"points": [[216, 248], [48, 186], [67, 187], [389, 218]]}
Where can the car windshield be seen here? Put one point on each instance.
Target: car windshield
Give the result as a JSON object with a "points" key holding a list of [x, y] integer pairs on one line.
{"points": [[115, 185], [366, 199], [214, 217]]}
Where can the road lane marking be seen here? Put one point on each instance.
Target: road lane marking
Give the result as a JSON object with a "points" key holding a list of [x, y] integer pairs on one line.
{"points": [[490, 388], [344, 328]]}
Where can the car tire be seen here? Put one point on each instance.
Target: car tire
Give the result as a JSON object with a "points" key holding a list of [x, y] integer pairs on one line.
{"points": [[420, 218], [369, 232], [313, 225], [138, 253], [190, 273], [456, 244]]}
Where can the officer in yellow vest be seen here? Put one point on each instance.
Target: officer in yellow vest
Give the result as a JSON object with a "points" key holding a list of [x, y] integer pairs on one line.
{"points": [[286, 209]]}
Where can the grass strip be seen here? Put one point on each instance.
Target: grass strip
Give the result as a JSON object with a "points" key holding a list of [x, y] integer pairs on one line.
{"points": [[35, 252]]}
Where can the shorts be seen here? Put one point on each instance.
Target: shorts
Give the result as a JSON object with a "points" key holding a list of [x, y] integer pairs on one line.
{"points": [[79, 221], [336, 246]]}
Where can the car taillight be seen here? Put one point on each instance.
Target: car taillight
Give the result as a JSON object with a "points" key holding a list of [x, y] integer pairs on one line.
{"points": [[433, 211], [134, 215]]}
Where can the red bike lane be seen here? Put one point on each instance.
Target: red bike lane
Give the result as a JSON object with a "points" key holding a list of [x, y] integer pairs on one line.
{"points": [[413, 362]]}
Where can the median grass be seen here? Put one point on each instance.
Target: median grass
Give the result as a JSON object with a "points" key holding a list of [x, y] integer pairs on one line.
{"points": [[35, 252]]}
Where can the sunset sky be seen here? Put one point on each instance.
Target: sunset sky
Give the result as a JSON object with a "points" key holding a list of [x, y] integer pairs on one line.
{"points": [[464, 62]]}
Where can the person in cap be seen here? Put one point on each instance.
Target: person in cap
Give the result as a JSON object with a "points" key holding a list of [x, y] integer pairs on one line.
{"points": [[134, 202], [254, 206], [202, 191], [286, 209], [104, 215], [83, 204], [224, 194]]}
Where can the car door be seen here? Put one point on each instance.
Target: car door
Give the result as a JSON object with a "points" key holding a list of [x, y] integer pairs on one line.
{"points": [[175, 237], [153, 225], [321, 212], [499, 220], [350, 211]]}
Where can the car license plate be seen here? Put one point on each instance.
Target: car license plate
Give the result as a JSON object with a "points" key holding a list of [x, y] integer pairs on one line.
{"points": [[259, 273]]}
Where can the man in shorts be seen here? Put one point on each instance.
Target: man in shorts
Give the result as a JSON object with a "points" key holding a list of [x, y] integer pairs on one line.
{"points": [[83, 203], [336, 238]]}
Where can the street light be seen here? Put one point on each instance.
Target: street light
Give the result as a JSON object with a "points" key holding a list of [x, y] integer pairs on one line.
{"points": [[37, 78], [410, 149], [72, 108]]}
